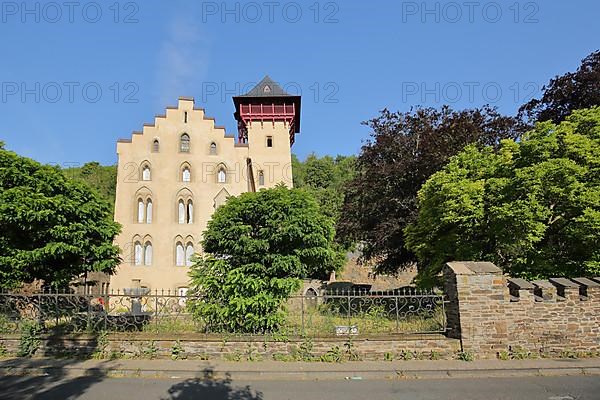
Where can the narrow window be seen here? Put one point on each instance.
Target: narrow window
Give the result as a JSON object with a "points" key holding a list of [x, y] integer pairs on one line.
{"points": [[146, 173], [148, 253], [190, 212], [261, 178], [189, 252], [185, 117], [149, 212], [181, 212], [186, 175], [137, 257], [155, 146], [222, 175], [184, 143], [213, 149], [179, 255], [140, 218], [269, 141]]}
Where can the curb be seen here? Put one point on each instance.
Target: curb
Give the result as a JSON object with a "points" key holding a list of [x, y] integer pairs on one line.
{"points": [[384, 374]]}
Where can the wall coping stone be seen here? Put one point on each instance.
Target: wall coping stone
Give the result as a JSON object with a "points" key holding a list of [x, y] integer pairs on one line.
{"points": [[564, 282], [473, 268], [520, 284], [543, 284], [586, 282]]}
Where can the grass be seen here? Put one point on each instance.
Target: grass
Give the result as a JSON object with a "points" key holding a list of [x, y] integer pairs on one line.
{"points": [[318, 321], [322, 321]]}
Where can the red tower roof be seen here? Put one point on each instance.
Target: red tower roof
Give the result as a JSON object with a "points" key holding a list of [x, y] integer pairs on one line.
{"points": [[268, 101]]}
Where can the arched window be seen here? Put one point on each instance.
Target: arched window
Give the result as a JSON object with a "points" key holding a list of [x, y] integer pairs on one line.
{"points": [[213, 149], [222, 175], [261, 178], [137, 255], [149, 212], [155, 146], [148, 253], [184, 143], [186, 175], [189, 252], [190, 212], [146, 173], [141, 207], [181, 212], [179, 255]]}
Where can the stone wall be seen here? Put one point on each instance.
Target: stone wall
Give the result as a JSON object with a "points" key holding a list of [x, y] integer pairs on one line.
{"points": [[241, 348], [491, 313]]}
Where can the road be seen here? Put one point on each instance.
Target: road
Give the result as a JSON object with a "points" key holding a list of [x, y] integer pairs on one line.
{"points": [[94, 388]]}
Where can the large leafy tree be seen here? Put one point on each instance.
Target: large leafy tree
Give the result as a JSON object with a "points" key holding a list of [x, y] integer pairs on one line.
{"points": [[405, 149], [324, 177], [256, 247], [51, 228], [533, 207], [568, 92]]}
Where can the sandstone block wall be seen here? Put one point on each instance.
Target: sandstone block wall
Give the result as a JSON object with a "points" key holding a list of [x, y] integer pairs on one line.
{"points": [[491, 313]]}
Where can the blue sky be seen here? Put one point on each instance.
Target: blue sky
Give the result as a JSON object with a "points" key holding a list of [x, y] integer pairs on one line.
{"points": [[349, 59]]}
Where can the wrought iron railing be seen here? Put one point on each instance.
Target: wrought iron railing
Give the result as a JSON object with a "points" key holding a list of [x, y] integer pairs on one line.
{"points": [[327, 314]]}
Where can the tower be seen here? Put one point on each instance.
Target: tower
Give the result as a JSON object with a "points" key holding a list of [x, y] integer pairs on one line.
{"points": [[268, 119]]}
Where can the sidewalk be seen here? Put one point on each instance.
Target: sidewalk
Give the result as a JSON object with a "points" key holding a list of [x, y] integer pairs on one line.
{"points": [[273, 370]]}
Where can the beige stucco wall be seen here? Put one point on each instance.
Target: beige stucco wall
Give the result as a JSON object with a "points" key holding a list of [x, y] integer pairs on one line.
{"points": [[166, 186]]}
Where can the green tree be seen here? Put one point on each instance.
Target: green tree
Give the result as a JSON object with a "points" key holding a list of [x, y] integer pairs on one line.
{"points": [[404, 151], [533, 207], [51, 228], [256, 247], [99, 177], [324, 177], [565, 93]]}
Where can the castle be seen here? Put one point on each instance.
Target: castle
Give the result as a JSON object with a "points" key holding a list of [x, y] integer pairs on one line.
{"points": [[177, 171]]}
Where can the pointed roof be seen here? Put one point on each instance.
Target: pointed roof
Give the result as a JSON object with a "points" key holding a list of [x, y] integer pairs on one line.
{"points": [[266, 88], [268, 92]]}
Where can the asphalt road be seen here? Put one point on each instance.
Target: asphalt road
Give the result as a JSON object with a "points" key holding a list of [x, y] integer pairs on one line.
{"points": [[96, 388]]}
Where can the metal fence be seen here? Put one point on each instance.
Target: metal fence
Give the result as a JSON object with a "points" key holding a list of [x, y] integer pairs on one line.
{"points": [[327, 314]]}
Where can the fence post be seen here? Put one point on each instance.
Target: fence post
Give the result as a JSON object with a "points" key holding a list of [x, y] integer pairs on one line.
{"points": [[349, 319], [57, 308], [89, 311], [156, 310], [302, 301], [397, 314]]}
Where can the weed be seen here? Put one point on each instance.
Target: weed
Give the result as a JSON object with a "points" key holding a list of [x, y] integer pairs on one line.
{"points": [[304, 351], [406, 355], [503, 355], [3, 351], [351, 354], [101, 346], [236, 356], [151, 351], [388, 356], [177, 351], [252, 354], [434, 355], [30, 341], [333, 355], [568, 354], [465, 356], [283, 357]]}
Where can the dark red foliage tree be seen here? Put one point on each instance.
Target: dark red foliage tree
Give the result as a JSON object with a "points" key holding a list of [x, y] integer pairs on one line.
{"points": [[404, 150], [565, 93]]}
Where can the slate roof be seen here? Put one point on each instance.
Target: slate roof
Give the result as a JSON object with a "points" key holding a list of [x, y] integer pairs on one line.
{"points": [[266, 88]]}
